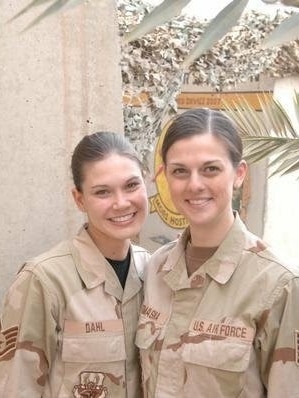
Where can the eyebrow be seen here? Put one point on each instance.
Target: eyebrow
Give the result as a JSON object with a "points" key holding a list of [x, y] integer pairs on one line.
{"points": [[132, 178], [208, 162]]}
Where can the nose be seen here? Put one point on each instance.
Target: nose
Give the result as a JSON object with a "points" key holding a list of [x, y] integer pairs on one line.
{"points": [[120, 201], [195, 182]]}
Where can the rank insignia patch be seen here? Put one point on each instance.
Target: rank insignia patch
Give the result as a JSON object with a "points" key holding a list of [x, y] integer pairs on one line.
{"points": [[297, 347], [8, 342]]}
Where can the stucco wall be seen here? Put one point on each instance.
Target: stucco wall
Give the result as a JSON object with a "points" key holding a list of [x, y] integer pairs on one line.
{"points": [[282, 210], [58, 81]]}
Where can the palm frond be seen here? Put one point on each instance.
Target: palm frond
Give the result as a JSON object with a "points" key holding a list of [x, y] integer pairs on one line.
{"points": [[34, 3], [287, 31], [247, 119], [218, 28], [296, 104], [268, 134], [57, 5], [161, 14]]}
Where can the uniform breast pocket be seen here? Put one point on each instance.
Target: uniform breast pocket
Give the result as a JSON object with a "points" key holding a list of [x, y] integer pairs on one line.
{"points": [[93, 362], [216, 367], [106, 347]]}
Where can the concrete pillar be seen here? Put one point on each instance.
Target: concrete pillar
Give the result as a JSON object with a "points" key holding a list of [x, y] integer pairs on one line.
{"points": [[58, 81]]}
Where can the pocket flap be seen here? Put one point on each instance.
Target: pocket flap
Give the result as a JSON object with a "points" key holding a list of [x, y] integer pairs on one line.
{"points": [[105, 344], [219, 354]]}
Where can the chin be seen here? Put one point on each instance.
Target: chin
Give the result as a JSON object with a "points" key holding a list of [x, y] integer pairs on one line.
{"points": [[127, 233]]}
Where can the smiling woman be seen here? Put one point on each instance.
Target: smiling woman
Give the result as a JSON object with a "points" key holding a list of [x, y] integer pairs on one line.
{"points": [[70, 316], [218, 303], [111, 191]]}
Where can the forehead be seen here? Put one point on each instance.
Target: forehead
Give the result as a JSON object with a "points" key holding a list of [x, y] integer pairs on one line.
{"points": [[202, 146], [113, 167]]}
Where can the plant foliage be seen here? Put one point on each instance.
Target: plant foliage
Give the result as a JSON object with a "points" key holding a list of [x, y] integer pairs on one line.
{"points": [[268, 134]]}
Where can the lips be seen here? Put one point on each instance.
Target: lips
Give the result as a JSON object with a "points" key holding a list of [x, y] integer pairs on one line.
{"points": [[123, 219], [198, 202]]}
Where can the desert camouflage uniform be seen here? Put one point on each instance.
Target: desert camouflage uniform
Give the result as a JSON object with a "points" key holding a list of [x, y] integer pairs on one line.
{"points": [[68, 328], [230, 330]]}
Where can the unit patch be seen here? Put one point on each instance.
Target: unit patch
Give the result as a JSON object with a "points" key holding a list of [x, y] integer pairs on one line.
{"points": [[91, 386], [8, 342]]}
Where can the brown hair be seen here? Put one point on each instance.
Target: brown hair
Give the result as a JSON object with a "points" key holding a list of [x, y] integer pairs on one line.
{"points": [[202, 121], [98, 146]]}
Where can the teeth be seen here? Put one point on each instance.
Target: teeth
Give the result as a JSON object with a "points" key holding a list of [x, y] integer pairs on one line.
{"points": [[122, 218], [198, 201]]}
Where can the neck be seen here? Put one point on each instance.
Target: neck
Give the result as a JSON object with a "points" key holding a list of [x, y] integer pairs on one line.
{"points": [[115, 249], [210, 235]]}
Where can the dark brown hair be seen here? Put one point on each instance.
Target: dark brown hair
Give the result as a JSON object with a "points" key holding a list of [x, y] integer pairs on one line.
{"points": [[203, 121], [98, 146]]}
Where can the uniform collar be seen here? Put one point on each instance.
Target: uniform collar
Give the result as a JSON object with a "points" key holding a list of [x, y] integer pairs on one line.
{"points": [[219, 267], [94, 269]]}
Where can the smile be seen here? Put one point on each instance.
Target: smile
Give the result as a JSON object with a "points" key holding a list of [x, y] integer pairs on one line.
{"points": [[198, 202], [123, 219]]}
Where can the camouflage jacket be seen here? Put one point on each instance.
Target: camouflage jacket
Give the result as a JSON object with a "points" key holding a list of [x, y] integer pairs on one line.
{"points": [[229, 330], [68, 327]]}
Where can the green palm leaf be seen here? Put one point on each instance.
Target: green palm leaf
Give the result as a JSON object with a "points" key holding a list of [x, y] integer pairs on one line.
{"points": [[247, 119], [268, 134], [220, 25], [34, 3], [56, 6], [287, 31], [161, 14]]}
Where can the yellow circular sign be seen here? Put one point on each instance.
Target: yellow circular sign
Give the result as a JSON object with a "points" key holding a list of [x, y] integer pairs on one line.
{"points": [[162, 202]]}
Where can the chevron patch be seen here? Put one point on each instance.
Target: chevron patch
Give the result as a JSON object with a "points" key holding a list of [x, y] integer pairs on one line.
{"points": [[8, 342]]}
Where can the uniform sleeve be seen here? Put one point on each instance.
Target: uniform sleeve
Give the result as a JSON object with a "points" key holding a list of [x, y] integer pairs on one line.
{"points": [[27, 338], [280, 344]]}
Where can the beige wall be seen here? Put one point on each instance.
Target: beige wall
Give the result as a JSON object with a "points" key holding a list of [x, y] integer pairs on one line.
{"points": [[282, 211], [58, 81]]}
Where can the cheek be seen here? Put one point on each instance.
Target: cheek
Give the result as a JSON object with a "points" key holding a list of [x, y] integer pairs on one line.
{"points": [[176, 187], [224, 190], [141, 198], [97, 206]]}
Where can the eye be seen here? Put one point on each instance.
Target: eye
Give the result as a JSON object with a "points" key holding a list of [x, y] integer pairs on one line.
{"points": [[131, 186], [102, 193], [179, 171], [211, 170]]}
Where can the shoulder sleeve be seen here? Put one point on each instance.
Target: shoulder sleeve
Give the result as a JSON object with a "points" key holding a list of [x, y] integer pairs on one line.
{"points": [[27, 337], [280, 343]]}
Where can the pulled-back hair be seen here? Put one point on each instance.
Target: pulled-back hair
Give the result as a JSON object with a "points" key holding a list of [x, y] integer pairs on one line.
{"points": [[98, 146], [202, 121]]}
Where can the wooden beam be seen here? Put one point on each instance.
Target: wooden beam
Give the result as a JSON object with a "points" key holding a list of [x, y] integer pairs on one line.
{"points": [[189, 100]]}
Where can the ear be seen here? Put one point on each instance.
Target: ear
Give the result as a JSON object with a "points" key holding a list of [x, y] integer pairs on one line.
{"points": [[78, 198], [240, 171]]}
